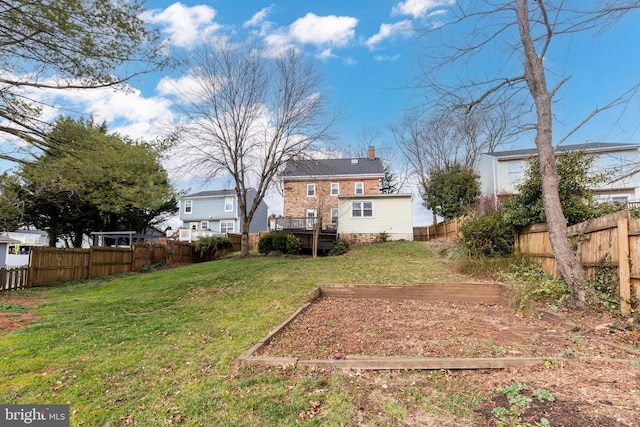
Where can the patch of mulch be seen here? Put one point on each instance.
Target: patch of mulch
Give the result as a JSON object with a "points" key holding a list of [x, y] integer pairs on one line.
{"points": [[369, 327], [594, 384], [12, 320]]}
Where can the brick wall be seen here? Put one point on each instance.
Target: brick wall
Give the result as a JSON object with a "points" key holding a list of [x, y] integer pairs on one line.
{"points": [[296, 201]]}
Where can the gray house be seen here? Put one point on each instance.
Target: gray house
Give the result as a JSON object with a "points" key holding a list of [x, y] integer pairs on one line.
{"points": [[215, 213], [501, 171]]}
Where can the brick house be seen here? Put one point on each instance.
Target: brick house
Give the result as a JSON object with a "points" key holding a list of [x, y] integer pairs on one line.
{"points": [[311, 187]]}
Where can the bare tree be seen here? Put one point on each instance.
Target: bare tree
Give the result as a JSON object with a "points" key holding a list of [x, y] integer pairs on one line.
{"points": [[528, 33], [431, 141], [245, 116]]}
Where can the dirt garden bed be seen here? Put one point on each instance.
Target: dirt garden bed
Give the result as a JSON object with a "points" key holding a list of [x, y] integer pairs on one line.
{"points": [[587, 360]]}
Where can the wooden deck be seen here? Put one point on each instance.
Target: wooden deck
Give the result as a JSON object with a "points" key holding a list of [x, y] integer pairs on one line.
{"points": [[303, 229]]}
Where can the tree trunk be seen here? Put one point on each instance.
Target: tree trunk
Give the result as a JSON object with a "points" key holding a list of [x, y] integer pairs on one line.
{"points": [[568, 263], [244, 244]]}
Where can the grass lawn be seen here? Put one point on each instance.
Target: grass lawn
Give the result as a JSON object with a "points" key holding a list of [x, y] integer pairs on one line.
{"points": [[161, 348]]}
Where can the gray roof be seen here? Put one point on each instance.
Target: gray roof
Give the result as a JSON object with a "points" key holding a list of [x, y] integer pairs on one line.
{"points": [[7, 239], [213, 193], [588, 146], [333, 167]]}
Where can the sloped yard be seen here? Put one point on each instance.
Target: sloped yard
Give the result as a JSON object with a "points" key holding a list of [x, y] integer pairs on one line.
{"points": [[162, 349]]}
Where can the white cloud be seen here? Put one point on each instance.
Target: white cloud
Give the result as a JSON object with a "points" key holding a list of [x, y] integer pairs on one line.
{"points": [[277, 44], [126, 112], [323, 30], [383, 58], [258, 18], [326, 53], [185, 25], [403, 29], [419, 8]]}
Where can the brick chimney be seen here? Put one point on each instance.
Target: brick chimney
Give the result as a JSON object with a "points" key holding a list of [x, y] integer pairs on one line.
{"points": [[372, 152]]}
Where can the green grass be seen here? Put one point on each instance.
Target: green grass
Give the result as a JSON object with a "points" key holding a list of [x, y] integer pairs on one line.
{"points": [[160, 348]]}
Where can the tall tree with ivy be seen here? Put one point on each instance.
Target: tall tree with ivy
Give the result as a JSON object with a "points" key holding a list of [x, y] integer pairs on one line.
{"points": [[575, 188], [94, 181], [65, 45], [451, 190]]}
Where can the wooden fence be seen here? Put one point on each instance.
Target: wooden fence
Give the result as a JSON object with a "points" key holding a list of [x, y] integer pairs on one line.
{"points": [[54, 265], [442, 230], [237, 238], [611, 241], [13, 278]]}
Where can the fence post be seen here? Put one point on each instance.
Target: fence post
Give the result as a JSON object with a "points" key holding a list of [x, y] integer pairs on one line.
{"points": [[624, 273]]}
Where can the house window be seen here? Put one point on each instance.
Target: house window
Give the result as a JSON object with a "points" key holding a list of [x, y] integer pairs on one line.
{"points": [[311, 190], [188, 206], [311, 222], [334, 216], [204, 225], [226, 226], [194, 225], [335, 188], [362, 209], [359, 188], [228, 204], [514, 171]]}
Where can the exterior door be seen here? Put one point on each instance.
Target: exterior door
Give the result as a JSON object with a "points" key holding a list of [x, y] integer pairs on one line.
{"points": [[311, 221]]}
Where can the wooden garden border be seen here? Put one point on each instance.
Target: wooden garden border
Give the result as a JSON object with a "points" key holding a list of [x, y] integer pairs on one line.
{"points": [[487, 293]]}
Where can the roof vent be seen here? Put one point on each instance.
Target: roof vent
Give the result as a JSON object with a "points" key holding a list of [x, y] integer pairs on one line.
{"points": [[354, 161]]}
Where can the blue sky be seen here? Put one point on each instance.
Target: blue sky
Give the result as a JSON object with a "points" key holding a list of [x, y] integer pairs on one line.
{"points": [[368, 55]]}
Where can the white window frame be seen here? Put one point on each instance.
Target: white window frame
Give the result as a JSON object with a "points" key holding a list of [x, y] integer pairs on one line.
{"points": [[194, 226], [334, 216], [188, 206], [311, 190], [228, 204], [359, 209], [358, 188], [226, 228], [204, 225], [335, 188], [515, 170]]}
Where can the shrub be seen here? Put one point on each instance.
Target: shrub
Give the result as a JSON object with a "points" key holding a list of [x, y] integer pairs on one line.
{"points": [[279, 243], [531, 283], [489, 235], [341, 246], [212, 246]]}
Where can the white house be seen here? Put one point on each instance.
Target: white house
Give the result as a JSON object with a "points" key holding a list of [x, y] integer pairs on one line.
{"points": [[501, 171], [364, 217]]}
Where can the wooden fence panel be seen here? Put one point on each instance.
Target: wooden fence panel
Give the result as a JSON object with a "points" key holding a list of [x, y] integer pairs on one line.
{"points": [[612, 240], [148, 254], [110, 261], [54, 265], [179, 253], [13, 278], [237, 238], [442, 230]]}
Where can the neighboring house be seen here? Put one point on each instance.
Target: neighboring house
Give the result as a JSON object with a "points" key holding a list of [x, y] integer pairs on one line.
{"points": [[312, 187], [15, 246], [501, 171], [366, 218], [215, 213]]}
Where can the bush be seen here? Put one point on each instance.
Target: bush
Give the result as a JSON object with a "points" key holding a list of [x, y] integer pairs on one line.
{"points": [[279, 243], [341, 246], [212, 246], [489, 235], [531, 283]]}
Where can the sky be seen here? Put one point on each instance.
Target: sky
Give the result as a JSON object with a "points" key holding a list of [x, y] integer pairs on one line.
{"points": [[368, 55]]}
